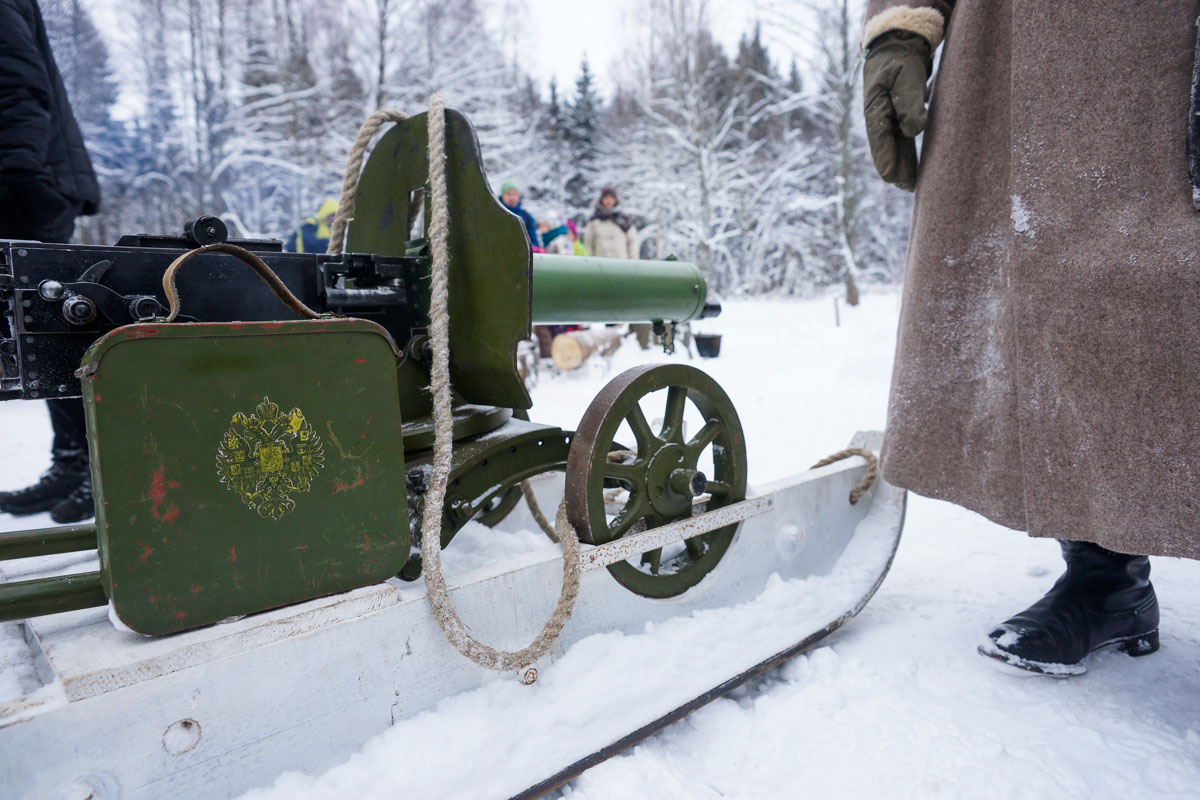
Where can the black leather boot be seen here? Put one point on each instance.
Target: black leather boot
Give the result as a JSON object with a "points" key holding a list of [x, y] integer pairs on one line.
{"points": [[67, 472], [1103, 599], [76, 506]]}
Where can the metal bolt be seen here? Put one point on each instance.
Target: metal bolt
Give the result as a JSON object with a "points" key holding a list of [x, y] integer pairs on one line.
{"points": [[688, 482], [417, 481], [788, 540], [50, 290], [23, 252], [79, 310], [143, 308], [461, 509]]}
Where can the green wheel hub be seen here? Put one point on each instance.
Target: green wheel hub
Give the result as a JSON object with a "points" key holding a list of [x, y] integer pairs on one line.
{"points": [[662, 475]]}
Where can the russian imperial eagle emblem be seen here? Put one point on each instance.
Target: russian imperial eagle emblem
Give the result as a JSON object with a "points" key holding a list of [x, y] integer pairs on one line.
{"points": [[269, 456]]}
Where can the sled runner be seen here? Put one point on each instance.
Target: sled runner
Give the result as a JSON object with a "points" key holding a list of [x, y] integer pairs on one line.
{"points": [[225, 708]]}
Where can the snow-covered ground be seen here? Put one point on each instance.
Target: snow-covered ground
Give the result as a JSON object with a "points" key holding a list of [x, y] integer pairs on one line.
{"points": [[896, 703]]}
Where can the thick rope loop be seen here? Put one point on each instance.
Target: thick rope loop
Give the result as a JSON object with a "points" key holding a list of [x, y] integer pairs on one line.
{"points": [[535, 509], [358, 151], [867, 480], [439, 334]]}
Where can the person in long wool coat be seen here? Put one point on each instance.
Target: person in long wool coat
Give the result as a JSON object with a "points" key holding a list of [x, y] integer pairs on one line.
{"points": [[1047, 370]]}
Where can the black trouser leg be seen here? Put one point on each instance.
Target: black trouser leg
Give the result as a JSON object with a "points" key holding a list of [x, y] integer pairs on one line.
{"points": [[70, 431]]}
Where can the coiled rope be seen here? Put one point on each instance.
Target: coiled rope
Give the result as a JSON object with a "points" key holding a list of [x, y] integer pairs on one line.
{"points": [[439, 335]]}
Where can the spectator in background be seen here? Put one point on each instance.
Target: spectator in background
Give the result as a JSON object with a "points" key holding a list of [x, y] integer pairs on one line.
{"points": [[556, 237], [510, 196], [610, 234], [313, 234], [46, 180], [577, 247]]}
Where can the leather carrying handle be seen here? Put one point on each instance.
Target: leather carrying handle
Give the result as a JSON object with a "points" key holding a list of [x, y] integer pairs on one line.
{"points": [[249, 259]]}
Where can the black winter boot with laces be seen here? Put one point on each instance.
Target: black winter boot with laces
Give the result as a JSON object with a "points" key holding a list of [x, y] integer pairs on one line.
{"points": [[76, 506], [68, 471], [1104, 598]]}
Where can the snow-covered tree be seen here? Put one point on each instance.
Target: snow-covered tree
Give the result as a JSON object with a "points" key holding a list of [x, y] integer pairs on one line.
{"points": [[751, 163], [583, 139]]}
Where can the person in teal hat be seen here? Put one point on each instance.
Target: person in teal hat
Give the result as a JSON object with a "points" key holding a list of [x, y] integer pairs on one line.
{"points": [[510, 197]]}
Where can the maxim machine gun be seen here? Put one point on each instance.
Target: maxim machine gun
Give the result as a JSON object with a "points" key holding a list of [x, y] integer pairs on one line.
{"points": [[265, 443], [262, 456]]}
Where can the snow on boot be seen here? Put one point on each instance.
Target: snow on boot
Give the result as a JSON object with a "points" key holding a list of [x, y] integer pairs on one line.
{"points": [[1104, 598], [76, 506], [68, 470]]}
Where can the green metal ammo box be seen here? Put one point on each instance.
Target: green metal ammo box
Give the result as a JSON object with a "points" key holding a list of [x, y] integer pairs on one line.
{"points": [[242, 466]]}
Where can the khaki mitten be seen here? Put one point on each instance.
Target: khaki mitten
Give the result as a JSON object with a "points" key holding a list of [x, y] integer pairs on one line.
{"points": [[894, 77]]}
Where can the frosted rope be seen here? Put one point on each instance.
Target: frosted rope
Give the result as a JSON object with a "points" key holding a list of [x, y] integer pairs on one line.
{"points": [[439, 335], [867, 480], [358, 151], [535, 508]]}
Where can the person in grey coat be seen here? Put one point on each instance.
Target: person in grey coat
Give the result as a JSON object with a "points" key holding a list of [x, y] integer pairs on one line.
{"points": [[1047, 371]]}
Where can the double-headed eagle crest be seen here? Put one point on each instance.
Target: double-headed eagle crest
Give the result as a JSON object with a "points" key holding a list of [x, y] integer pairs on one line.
{"points": [[267, 456]]}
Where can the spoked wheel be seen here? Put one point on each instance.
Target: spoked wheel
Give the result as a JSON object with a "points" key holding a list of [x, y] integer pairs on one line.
{"points": [[664, 474]]}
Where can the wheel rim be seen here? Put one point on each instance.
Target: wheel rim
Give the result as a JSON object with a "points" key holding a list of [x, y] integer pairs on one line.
{"points": [[660, 474]]}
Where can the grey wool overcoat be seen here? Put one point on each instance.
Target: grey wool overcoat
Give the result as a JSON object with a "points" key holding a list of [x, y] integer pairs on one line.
{"points": [[1047, 371]]}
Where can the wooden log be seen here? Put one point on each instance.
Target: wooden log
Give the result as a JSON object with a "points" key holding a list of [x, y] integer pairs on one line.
{"points": [[571, 349]]}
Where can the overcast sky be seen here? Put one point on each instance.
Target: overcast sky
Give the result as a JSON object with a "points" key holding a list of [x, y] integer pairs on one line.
{"points": [[561, 31]]}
